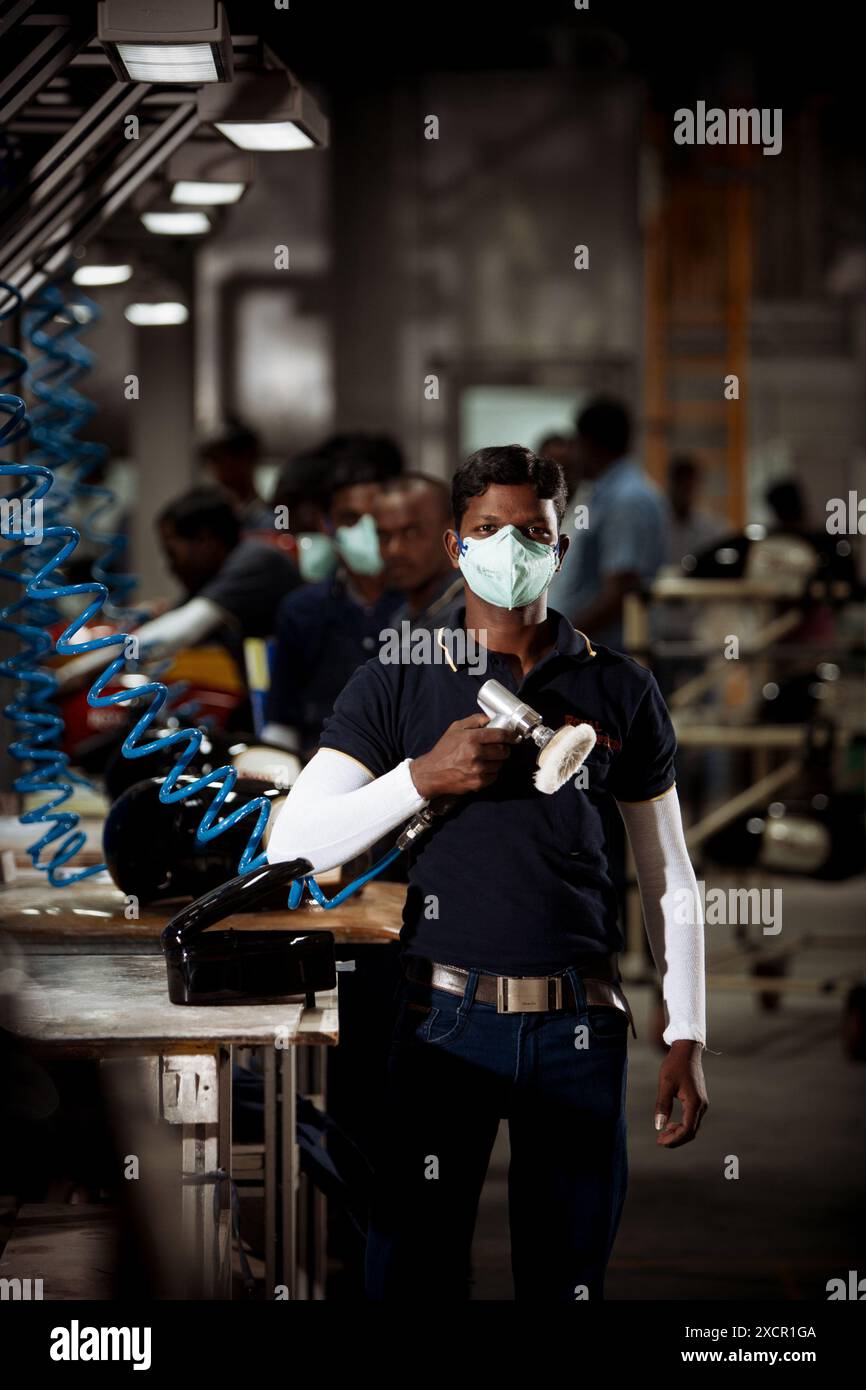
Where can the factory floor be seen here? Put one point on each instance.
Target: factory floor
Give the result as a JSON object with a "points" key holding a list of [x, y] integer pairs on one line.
{"points": [[784, 1099]]}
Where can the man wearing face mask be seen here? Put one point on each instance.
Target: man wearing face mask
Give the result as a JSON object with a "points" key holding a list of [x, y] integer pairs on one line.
{"points": [[334, 623], [511, 1003]]}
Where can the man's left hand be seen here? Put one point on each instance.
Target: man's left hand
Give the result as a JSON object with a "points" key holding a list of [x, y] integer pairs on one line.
{"points": [[681, 1078]]}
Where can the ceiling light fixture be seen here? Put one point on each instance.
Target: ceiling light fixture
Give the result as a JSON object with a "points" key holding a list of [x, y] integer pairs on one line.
{"points": [[157, 315], [188, 41], [206, 193], [176, 223], [265, 111], [102, 274]]}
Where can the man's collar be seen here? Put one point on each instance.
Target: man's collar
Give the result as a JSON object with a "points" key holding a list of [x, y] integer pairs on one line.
{"points": [[446, 594], [568, 641]]}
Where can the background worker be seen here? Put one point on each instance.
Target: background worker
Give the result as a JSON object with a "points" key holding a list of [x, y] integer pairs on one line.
{"points": [[327, 629], [412, 514], [625, 541], [232, 585], [233, 457]]}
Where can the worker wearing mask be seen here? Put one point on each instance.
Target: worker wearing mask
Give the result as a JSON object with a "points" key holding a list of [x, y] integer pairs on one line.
{"points": [[412, 513], [510, 1004], [327, 629], [233, 457]]}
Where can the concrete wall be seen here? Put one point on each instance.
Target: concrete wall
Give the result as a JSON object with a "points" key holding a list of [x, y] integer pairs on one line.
{"points": [[455, 256]]}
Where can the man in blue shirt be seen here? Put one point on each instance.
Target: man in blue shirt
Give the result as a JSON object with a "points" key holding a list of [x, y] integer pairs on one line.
{"points": [[621, 540], [326, 630]]}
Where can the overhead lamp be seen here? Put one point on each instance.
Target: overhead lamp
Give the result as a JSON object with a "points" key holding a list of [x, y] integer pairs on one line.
{"points": [[159, 314], [266, 136], [205, 173], [187, 41], [102, 274], [265, 111], [176, 223], [205, 193]]}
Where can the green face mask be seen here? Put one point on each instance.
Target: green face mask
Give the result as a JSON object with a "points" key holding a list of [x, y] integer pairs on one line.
{"points": [[359, 546], [317, 556], [506, 569]]}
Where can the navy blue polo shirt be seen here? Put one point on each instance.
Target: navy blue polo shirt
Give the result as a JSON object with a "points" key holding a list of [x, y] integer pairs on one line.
{"points": [[323, 635], [513, 881]]}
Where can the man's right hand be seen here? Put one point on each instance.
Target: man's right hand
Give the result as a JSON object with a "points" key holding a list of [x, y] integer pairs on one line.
{"points": [[467, 758]]}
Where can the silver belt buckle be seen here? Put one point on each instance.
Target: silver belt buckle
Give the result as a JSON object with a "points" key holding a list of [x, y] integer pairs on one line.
{"points": [[526, 995]]}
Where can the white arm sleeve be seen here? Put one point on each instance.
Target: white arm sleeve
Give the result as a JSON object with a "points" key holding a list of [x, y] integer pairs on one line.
{"points": [[672, 911], [181, 627], [336, 809]]}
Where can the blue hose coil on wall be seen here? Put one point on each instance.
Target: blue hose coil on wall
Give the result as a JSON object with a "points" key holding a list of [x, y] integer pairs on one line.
{"points": [[51, 325], [44, 588], [32, 711]]}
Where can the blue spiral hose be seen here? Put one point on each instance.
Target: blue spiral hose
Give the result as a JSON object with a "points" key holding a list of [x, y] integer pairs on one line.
{"points": [[60, 412], [32, 711]]}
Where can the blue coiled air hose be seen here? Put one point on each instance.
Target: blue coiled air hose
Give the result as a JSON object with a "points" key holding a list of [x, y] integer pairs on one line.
{"points": [[61, 412]]}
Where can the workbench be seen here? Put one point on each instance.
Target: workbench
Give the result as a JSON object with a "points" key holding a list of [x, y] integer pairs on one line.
{"points": [[95, 987], [89, 918]]}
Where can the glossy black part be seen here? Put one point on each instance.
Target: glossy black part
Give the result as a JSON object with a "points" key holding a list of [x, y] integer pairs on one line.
{"points": [[151, 849], [228, 966], [233, 967], [239, 894]]}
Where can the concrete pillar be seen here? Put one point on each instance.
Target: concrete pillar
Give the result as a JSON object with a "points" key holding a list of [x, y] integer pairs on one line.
{"points": [[366, 278], [162, 443]]}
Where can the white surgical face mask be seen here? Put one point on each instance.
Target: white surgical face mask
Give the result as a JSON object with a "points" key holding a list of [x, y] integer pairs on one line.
{"points": [[507, 569], [317, 555], [359, 546]]}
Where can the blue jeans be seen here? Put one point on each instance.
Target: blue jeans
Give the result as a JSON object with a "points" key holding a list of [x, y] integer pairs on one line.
{"points": [[456, 1067]]}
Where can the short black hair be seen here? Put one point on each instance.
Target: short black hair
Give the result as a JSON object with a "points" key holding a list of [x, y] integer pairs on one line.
{"points": [[361, 458], [235, 438], [408, 482], [509, 464], [203, 511], [606, 423], [682, 465], [787, 500], [306, 477], [548, 440]]}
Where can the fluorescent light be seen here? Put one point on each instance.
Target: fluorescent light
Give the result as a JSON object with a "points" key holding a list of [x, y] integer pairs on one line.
{"points": [[102, 274], [168, 62], [265, 135], [154, 315], [206, 194], [264, 111], [176, 223], [185, 41]]}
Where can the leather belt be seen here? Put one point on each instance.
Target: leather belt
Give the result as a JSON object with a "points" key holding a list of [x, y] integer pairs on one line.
{"points": [[516, 994]]}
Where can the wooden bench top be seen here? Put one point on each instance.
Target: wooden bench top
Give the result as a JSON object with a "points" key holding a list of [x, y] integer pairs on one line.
{"points": [[90, 916]]}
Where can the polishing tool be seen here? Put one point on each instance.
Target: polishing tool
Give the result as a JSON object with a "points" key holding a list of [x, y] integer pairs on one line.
{"points": [[561, 751]]}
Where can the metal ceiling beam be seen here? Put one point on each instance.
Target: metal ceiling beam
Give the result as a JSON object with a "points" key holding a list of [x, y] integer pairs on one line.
{"points": [[98, 201], [27, 210], [14, 15], [42, 63]]}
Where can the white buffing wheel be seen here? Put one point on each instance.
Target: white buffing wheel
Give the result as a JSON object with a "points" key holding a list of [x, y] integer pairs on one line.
{"points": [[562, 757]]}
